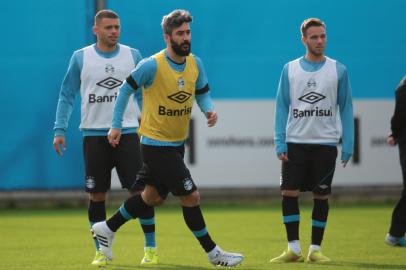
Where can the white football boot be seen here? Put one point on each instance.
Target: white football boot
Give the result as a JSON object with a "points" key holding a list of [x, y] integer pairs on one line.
{"points": [[105, 236]]}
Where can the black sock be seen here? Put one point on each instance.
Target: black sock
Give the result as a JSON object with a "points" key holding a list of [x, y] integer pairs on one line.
{"points": [[319, 220], [195, 221], [132, 208], [96, 211], [147, 221], [291, 217], [148, 227]]}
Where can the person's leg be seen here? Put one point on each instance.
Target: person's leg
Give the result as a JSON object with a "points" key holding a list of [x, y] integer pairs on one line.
{"points": [[398, 222], [319, 218], [128, 163], [193, 217], [292, 176], [134, 207], [176, 177], [150, 250], [291, 218], [319, 222], [322, 167], [98, 166], [96, 211], [139, 205], [396, 235], [180, 184]]}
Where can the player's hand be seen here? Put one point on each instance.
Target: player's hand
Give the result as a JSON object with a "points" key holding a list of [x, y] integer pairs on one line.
{"points": [[114, 136], [59, 144], [283, 157], [391, 140], [344, 163], [211, 118]]}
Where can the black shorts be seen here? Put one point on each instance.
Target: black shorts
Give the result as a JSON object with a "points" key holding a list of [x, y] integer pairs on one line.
{"points": [[310, 168], [164, 168], [100, 158]]}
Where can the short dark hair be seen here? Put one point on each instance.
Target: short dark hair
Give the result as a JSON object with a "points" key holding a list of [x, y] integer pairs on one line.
{"points": [[309, 23], [175, 19], [105, 13]]}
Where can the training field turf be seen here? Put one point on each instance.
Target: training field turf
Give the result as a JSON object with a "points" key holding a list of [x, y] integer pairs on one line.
{"points": [[60, 239]]}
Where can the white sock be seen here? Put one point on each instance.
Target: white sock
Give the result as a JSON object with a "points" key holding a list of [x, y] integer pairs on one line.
{"points": [[295, 246], [314, 247]]}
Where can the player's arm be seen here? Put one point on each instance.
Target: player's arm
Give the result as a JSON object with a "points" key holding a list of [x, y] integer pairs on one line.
{"points": [[69, 88], [137, 57], [142, 75], [399, 116], [346, 113], [281, 115], [202, 94], [114, 133], [205, 104], [138, 93]]}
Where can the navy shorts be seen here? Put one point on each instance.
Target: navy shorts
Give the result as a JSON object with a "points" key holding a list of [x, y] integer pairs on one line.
{"points": [[164, 168], [310, 168], [100, 158]]}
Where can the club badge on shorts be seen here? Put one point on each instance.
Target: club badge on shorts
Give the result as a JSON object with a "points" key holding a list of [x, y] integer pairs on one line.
{"points": [[90, 182], [187, 184]]}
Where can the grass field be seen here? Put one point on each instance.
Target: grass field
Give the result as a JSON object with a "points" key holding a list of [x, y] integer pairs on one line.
{"points": [[60, 239]]}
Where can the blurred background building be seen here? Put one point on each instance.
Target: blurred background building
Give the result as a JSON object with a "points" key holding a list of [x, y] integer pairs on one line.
{"points": [[244, 45]]}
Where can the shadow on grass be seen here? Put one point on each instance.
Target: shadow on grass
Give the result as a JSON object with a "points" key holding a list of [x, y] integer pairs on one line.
{"points": [[364, 265], [163, 266]]}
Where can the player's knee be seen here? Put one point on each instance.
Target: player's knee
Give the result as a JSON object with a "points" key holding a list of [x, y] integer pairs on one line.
{"points": [[320, 196], [157, 201], [151, 198], [148, 200], [290, 193], [97, 197], [191, 200], [132, 193]]}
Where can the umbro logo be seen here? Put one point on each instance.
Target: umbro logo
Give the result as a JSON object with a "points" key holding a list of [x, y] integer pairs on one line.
{"points": [[110, 83], [180, 97], [312, 97]]}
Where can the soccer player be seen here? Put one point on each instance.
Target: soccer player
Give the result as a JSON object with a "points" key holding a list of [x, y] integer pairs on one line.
{"points": [[314, 92], [96, 72], [171, 80], [396, 235]]}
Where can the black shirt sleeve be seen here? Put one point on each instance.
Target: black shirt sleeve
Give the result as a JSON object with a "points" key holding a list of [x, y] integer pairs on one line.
{"points": [[398, 121]]}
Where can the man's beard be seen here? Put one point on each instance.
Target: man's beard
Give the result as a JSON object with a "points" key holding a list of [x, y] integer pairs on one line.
{"points": [[315, 51], [177, 48]]}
